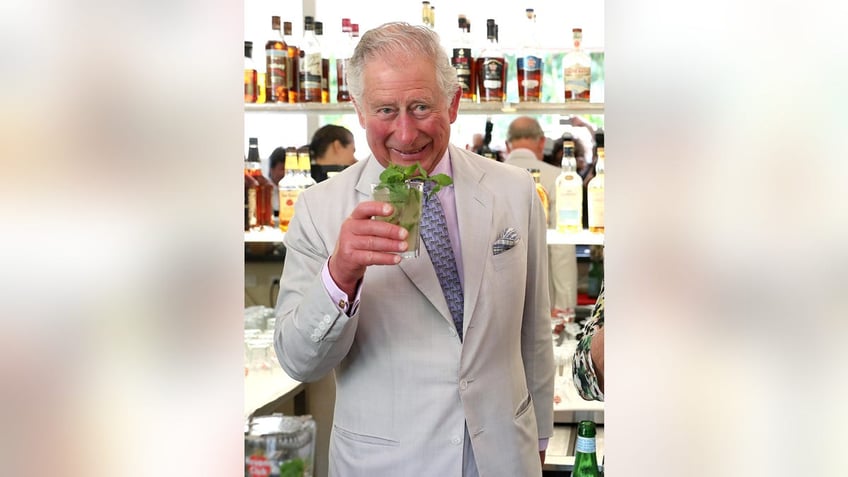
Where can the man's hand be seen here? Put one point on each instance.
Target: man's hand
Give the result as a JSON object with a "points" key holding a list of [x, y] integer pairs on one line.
{"points": [[364, 242], [542, 456]]}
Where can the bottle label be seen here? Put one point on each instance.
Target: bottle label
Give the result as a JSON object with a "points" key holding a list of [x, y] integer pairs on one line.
{"points": [[276, 67], [586, 445], [253, 218], [578, 80], [258, 466], [288, 197], [461, 61], [596, 207], [492, 73], [310, 76], [529, 63]]}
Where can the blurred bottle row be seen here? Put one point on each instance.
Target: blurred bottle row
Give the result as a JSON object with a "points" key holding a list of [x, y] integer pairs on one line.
{"points": [[308, 69], [268, 201]]}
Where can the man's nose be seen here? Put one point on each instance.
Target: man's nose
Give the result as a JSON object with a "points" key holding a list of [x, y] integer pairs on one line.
{"points": [[406, 129]]}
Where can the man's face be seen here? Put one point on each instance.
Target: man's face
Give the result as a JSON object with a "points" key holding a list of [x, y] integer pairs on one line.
{"points": [[406, 117]]}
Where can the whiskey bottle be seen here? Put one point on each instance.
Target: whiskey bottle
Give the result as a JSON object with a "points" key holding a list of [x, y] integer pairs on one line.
{"points": [[569, 191], [293, 53], [251, 92], [325, 62], [578, 71], [253, 166], [543, 193], [529, 63], [290, 188], [463, 62], [310, 69], [491, 68], [276, 63], [342, 59], [595, 193], [250, 189], [585, 451]]}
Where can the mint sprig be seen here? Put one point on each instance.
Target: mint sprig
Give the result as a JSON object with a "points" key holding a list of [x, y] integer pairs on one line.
{"points": [[395, 176]]}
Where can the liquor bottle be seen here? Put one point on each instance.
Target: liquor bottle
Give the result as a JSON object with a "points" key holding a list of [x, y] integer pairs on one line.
{"points": [[543, 193], [309, 64], [325, 62], [250, 189], [251, 92], [569, 191], [342, 59], [293, 52], [595, 194], [463, 62], [276, 62], [305, 167], [585, 453], [425, 13], [290, 188], [529, 63], [491, 68], [433, 17], [264, 208], [578, 71]]}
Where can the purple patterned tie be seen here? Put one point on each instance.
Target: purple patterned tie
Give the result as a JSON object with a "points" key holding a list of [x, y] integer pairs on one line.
{"points": [[434, 232]]}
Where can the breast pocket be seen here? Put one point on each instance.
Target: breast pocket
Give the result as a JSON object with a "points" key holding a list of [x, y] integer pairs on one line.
{"points": [[510, 258]]}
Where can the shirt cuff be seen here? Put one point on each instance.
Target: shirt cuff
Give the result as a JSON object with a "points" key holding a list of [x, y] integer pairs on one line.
{"points": [[339, 297], [543, 444]]}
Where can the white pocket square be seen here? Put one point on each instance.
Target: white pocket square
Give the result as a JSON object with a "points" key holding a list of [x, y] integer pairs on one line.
{"points": [[508, 238]]}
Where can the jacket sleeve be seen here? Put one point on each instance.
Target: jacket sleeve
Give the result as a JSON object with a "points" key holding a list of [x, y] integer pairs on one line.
{"points": [[583, 372]]}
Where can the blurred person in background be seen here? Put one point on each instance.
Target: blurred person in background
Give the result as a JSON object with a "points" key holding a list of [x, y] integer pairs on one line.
{"points": [[525, 141], [330, 151], [434, 375], [276, 171], [587, 368]]}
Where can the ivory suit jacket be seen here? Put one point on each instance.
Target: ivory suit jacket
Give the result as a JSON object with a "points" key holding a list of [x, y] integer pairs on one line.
{"points": [[405, 385]]}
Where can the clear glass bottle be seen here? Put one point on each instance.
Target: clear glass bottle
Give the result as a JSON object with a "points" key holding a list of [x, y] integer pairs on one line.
{"points": [[292, 67], [309, 67], [585, 451], [577, 67], [325, 62], [569, 191], [290, 187], [595, 194], [251, 91], [491, 68], [463, 62], [529, 62], [305, 166], [425, 13], [276, 64]]}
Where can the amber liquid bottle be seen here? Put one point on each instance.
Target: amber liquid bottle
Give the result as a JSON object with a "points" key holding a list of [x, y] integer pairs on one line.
{"points": [[251, 91], [276, 64], [491, 68], [264, 207], [463, 62], [529, 63], [292, 83], [342, 58]]}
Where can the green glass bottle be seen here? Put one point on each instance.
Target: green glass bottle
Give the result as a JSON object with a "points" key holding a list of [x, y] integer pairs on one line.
{"points": [[585, 456]]}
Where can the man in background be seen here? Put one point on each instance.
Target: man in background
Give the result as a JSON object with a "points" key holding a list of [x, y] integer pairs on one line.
{"points": [[525, 142]]}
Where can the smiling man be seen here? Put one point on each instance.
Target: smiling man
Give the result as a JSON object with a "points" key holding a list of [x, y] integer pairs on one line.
{"points": [[443, 363]]}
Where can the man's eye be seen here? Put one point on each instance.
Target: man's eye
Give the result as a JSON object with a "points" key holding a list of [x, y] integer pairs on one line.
{"points": [[384, 110]]}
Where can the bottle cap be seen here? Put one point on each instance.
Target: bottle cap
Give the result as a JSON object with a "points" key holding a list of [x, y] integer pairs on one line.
{"points": [[586, 429]]}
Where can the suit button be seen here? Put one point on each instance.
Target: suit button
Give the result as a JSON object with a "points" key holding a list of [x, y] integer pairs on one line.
{"points": [[463, 385], [456, 441], [452, 330]]}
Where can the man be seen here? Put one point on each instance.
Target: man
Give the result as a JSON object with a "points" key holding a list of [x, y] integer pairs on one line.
{"points": [[525, 142], [419, 392]]}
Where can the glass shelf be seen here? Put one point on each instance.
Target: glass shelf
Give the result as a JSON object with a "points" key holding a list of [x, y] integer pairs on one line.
{"points": [[464, 108]]}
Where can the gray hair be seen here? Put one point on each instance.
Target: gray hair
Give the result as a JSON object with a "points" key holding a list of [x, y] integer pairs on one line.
{"points": [[398, 43]]}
